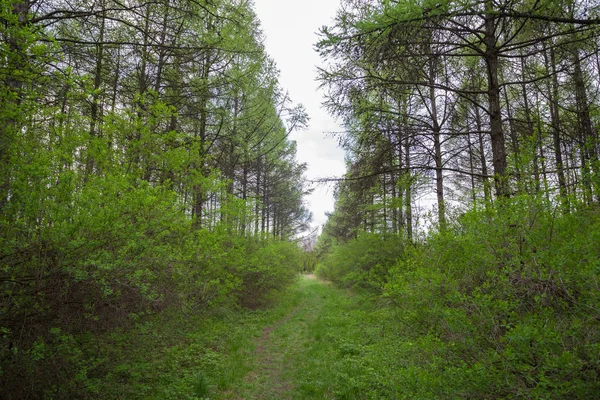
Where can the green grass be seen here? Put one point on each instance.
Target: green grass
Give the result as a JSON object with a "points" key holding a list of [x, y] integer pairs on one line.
{"points": [[317, 341], [327, 347], [178, 356], [335, 360]]}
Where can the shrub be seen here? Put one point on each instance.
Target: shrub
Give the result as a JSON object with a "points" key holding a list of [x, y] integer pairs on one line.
{"points": [[363, 261], [122, 252], [509, 293], [270, 266]]}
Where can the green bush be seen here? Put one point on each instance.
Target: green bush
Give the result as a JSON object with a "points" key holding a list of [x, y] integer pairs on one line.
{"points": [[511, 295], [363, 261], [268, 267], [501, 304], [123, 251]]}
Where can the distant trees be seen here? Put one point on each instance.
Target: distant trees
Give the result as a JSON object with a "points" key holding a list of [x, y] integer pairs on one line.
{"points": [[471, 94]]}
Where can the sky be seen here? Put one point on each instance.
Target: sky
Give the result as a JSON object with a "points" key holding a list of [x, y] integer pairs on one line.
{"points": [[290, 28]]}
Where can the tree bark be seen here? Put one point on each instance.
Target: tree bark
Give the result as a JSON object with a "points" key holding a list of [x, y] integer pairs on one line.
{"points": [[487, 193], [437, 145], [496, 132], [408, 201], [12, 96], [96, 107], [530, 133], [556, 127], [585, 134]]}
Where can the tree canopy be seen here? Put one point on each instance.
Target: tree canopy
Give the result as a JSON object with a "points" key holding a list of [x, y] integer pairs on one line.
{"points": [[474, 94]]}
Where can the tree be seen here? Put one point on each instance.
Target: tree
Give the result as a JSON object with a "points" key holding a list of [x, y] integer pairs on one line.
{"points": [[421, 48]]}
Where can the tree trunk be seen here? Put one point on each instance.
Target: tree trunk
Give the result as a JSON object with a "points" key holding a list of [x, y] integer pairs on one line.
{"points": [[472, 169], [11, 101], [437, 145], [493, 92], [408, 201], [555, 124], [514, 144], [586, 135], [96, 108], [532, 140], [199, 191], [487, 195], [162, 52]]}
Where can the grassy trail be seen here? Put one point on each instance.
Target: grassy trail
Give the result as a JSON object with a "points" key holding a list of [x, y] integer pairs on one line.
{"points": [[315, 342], [291, 359]]}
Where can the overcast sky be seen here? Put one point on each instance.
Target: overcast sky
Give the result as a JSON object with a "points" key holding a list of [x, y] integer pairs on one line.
{"points": [[290, 29]]}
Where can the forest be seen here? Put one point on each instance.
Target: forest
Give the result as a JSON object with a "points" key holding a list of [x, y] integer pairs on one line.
{"points": [[488, 111], [145, 166], [152, 203]]}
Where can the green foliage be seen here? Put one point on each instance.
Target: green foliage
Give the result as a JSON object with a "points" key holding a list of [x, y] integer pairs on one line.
{"points": [[500, 305], [201, 388], [362, 261], [175, 356], [500, 302], [127, 182], [267, 268], [120, 274], [309, 261]]}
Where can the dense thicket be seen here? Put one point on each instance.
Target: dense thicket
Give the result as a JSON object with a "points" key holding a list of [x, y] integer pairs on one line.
{"points": [[488, 110], [144, 164]]}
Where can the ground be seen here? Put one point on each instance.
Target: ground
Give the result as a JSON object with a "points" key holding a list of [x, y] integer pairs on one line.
{"points": [[284, 352], [314, 341]]}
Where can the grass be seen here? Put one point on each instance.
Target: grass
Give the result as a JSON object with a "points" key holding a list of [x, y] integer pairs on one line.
{"points": [[335, 360], [327, 347], [176, 356], [316, 342]]}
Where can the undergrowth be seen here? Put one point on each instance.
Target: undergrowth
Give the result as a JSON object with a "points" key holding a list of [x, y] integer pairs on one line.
{"points": [[501, 305], [174, 355]]}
